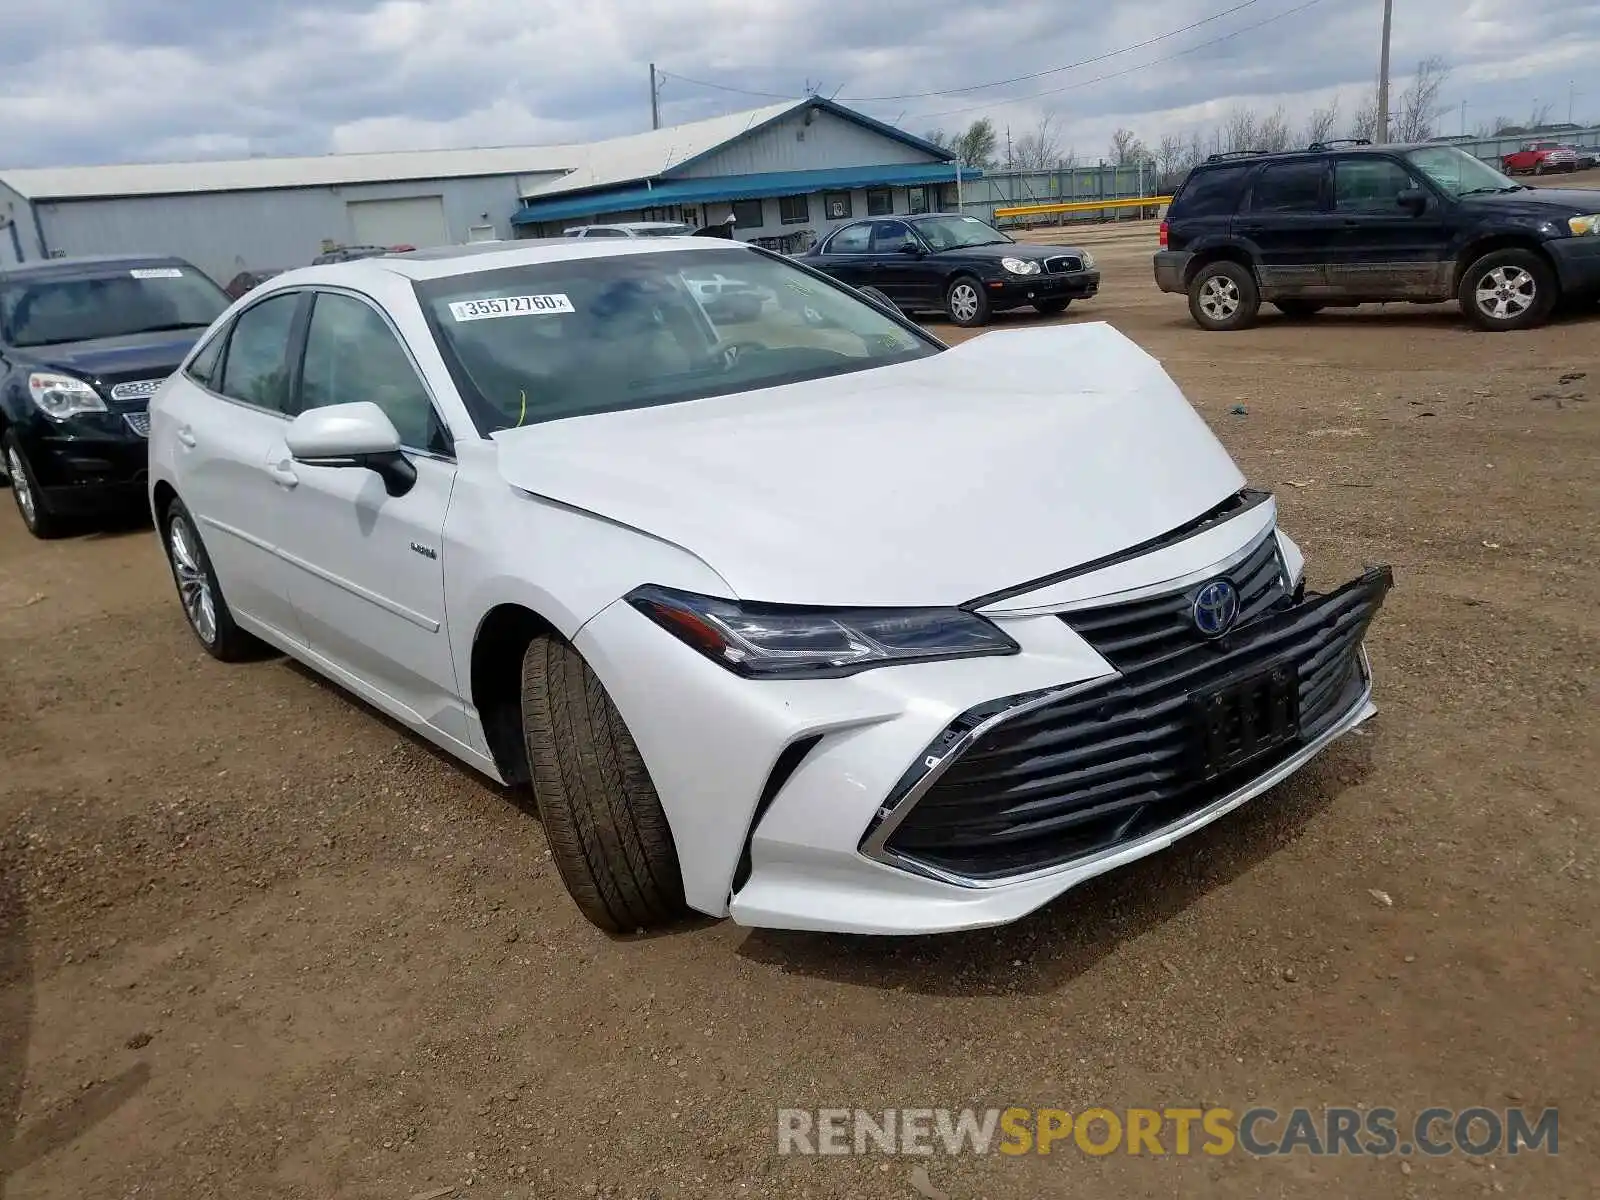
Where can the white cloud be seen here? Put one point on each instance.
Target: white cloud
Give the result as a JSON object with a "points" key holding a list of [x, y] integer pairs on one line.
{"points": [[119, 80]]}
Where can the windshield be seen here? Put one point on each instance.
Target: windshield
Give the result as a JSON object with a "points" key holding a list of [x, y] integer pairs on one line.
{"points": [[1458, 173], [49, 312], [953, 233], [563, 339]]}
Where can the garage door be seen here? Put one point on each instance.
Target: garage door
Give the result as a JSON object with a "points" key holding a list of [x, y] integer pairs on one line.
{"points": [[415, 221]]}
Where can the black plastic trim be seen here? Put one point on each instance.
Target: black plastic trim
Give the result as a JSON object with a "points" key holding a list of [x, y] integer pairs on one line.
{"points": [[788, 763]]}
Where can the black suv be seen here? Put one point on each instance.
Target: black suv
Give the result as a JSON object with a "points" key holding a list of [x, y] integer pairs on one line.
{"points": [[84, 343], [1348, 223]]}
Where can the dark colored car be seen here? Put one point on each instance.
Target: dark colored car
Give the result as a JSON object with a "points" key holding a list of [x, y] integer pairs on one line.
{"points": [[1341, 226], [953, 264], [84, 343], [247, 281]]}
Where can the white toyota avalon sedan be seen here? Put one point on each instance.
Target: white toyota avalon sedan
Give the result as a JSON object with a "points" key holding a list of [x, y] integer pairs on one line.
{"points": [[792, 614]]}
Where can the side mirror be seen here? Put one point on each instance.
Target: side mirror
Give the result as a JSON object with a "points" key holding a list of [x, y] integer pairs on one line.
{"points": [[911, 250], [352, 435], [1413, 200]]}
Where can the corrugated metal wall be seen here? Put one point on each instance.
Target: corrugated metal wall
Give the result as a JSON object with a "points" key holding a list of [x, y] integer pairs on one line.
{"points": [[793, 145], [18, 241], [224, 233]]}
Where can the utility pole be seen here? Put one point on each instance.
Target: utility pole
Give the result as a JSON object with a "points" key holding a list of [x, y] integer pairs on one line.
{"points": [[655, 99], [1383, 74], [1463, 118]]}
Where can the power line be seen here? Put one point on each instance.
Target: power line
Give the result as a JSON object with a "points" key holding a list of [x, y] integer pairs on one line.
{"points": [[1155, 62], [976, 87]]}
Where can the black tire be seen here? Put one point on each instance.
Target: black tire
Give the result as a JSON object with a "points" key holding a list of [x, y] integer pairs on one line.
{"points": [[1051, 308], [1297, 308], [965, 302], [878, 298], [1230, 310], [607, 831], [1528, 280], [225, 641], [32, 504]]}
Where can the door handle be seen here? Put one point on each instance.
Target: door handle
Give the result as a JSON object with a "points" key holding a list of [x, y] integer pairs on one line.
{"points": [[186, 436], [283, 474]]}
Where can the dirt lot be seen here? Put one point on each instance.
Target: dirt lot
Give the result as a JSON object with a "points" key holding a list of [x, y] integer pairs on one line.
{"points": [[254, 942]]}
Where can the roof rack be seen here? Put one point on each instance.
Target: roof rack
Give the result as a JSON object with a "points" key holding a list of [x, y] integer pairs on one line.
{"points": [[1227, 154], [1332, 142]]}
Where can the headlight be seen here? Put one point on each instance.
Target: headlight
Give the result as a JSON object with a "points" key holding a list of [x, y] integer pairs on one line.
{"points": [[61, 396], [765, 641], [1087, 260], [1020, 266], [1583, 225]]}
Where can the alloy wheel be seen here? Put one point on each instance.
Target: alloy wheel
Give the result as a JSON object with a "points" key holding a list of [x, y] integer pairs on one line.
{"points": [[1505, 293], [194, 583], [20, 488], [1219, 297], [964, 302]]}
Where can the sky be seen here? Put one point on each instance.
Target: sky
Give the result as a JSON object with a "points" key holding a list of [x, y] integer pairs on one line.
{"points": [[97, 81]]}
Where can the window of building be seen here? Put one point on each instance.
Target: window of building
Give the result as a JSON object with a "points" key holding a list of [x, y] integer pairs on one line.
{"points": [[747, 214], [1290, 187], [794, 210], [880, 202], [919, 200], [836, 206]]}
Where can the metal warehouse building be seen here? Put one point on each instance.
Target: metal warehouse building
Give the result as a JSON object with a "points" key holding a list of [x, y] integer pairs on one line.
{"points": [[787, 173]]}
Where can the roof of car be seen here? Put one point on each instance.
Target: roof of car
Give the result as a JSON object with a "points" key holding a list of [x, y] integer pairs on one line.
{"points": [[443, 261], [1234, 157], [87, 265]]}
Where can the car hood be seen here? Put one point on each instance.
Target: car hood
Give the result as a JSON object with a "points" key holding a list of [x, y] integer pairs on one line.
{"points": [[1027, 251], [1010, 457], [1542, 202], [107, 361]]}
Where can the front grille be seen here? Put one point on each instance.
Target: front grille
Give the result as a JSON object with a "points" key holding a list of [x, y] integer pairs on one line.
{"points": [[1105, 766], [138, 422], [135, 389], [1137, 632], [1062, 263]]}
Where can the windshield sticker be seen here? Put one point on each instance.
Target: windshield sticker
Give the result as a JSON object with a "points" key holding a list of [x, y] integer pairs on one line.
{"points": [[509, 306], [156, 273]]}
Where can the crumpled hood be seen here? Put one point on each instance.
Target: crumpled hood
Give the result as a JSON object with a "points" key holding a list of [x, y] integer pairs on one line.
{"points": [[1012, 456]]}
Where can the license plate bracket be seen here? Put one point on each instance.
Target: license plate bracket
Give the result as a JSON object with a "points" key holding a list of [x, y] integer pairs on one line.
{"points": [[1245, 719]]}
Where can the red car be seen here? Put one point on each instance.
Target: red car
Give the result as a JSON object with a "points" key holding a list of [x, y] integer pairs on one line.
{"points": [[1539, 158]]}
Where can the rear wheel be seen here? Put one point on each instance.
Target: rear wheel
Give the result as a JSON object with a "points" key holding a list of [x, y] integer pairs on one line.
{"points": [[965, 302], [607, 831], [33, 506], [1508, 289], [1051, 307], [1297, 308], [1223, 297], [198, 592]]}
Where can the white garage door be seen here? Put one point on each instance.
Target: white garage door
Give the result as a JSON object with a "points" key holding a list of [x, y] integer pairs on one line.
{"points": [[415, 221]]}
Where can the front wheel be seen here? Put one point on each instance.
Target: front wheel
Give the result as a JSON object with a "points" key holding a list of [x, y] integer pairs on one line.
{"points": [[33, 506], [965, 302], [1508, 289], [1223, 297], [607, 831], [1051, 308]]}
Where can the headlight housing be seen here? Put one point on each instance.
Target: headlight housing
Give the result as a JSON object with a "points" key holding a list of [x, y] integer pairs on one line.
{"points": [[61, 396], [1583, 225], [781, 641], [1020, 266]]}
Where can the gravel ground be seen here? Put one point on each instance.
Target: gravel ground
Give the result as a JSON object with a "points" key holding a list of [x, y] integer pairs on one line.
{"points": [[255, 941]]}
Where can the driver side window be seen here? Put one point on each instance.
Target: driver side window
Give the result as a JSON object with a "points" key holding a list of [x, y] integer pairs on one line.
{"points": [[352, 354]]}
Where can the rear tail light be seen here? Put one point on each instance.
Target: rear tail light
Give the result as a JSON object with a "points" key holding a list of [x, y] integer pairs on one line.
{"points": [[1163, 235]]}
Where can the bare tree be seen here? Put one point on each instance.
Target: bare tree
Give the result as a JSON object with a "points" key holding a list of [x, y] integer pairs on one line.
{"points": [[1419, 104], [1322, 122], [1127, 149], [1539, 117], [1273, 132], [1039, 149], [1170, 156], [1241, 130], [974, 145], [1364, 121]]}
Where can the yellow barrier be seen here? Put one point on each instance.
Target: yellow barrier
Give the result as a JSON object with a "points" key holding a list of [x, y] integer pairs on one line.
{"points": [[1032, 210]]}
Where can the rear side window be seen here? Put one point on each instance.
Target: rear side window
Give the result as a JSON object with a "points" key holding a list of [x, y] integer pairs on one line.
{"points": [[1290, 187], [853, 239], [1213, 193]]}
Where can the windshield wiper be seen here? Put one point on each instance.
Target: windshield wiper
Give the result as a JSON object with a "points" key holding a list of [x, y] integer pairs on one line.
{"points": [[1483, 191]]}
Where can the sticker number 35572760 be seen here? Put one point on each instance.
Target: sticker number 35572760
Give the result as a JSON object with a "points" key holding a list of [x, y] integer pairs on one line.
{"points": [[510, 306]]}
